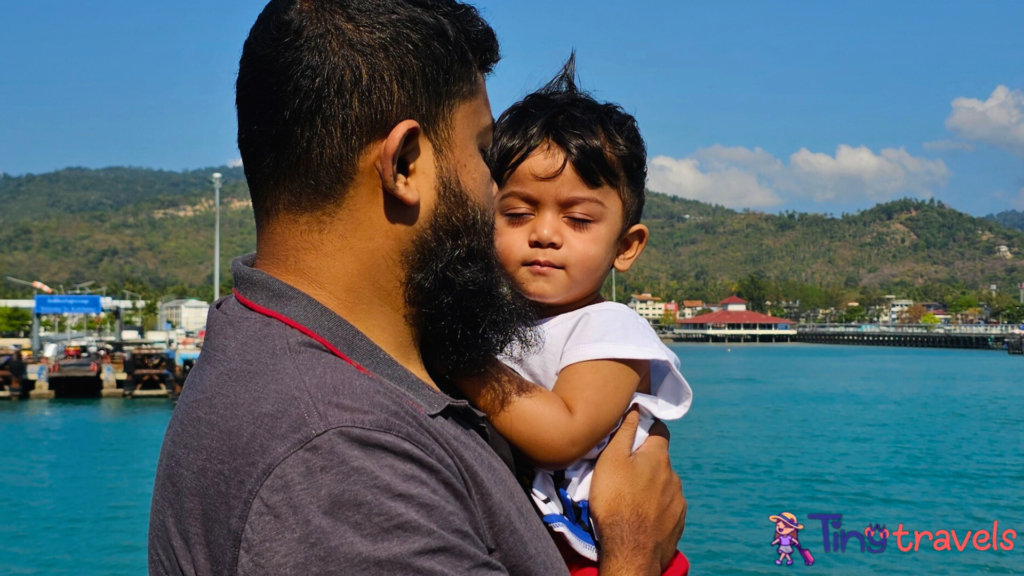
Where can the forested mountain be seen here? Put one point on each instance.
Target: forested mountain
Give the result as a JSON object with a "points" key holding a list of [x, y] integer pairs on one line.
{"points": [[127, 227], [1009, 218], [923, 250], [151, 231]]}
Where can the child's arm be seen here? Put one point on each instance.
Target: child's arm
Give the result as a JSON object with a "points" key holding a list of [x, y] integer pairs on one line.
{"points": [[554, 428]]}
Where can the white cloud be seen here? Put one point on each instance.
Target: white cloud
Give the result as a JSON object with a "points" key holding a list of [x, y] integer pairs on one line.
{"points": [[236, 163], [948, 146], [731, 186], [998, 121], [741, 177], [859, 173]]}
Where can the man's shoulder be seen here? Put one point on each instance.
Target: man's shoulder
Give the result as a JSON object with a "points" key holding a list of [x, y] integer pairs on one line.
{"points": [[272, 389], [263, 396]]}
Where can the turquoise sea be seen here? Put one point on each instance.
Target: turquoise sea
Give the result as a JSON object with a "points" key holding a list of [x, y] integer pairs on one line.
{"points": [[932, 439]]}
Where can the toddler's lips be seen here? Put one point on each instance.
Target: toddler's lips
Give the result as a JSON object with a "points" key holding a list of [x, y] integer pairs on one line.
{"points": [[542, 266]]}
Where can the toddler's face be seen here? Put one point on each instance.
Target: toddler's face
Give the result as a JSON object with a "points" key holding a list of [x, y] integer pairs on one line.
{"points": [[556, 237]]}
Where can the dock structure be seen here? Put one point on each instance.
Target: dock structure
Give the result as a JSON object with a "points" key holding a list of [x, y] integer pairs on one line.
{"points": [[146, 372], [729, 326], [979, 337], [41, 389], [1015, 345]]}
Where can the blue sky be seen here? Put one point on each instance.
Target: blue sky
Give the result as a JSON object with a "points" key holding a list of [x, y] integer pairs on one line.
{"points": [[820, 106]]}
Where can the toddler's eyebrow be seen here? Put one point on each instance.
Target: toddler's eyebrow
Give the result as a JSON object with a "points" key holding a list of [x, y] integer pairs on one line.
{"points": [[518, 195], [576, 200], [565, 202]]}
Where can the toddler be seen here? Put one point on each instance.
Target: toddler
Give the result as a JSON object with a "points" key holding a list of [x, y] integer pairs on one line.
{"points": [[571, 173]]}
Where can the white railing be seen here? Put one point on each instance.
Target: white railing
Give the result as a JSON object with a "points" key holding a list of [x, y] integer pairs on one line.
{"points": [[732, 329], [976, 329]]}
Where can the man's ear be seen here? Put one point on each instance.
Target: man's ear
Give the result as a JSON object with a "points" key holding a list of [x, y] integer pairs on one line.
{"points": [[630, 246], [397, 161]]}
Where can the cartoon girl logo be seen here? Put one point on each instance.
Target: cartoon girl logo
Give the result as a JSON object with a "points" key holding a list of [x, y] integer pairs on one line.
{"points": [[786, 531]]}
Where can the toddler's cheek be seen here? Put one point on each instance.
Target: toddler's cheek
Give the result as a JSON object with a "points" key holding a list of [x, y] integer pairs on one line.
{"points": [[506, 252]]}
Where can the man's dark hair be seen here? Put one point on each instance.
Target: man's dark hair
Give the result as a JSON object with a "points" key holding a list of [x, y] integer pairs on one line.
{"points": [[600, 139], [320, 80]]}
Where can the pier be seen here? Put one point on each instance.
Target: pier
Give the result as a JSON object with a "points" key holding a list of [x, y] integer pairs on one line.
{"points": [[138, 372], [749, 333], [969, 336], [966, 336]]}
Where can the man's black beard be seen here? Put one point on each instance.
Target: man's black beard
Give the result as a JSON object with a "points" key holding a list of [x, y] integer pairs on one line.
{"points": [[465, 308]]}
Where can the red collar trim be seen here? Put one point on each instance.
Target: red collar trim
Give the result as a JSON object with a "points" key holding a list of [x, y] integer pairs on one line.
{"points": [[293, 324]]}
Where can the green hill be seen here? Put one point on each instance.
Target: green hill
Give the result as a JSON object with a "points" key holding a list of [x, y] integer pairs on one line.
{"points": [[1009, 218], [152, 231], [919, 249], [126, 227]]}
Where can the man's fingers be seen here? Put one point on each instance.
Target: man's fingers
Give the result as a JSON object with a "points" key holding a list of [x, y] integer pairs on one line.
{"points": [[660, 429], [657, 438], [623, 439]]}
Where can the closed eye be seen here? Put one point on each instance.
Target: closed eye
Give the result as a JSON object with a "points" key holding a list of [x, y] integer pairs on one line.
{"points": [[579, 224], [516, 218]]}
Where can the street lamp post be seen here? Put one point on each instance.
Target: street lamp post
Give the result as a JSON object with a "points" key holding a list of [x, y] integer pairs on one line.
{"points": [[36, 284], [217, 178]]}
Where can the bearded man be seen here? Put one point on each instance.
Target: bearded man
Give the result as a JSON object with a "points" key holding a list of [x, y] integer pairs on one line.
{"points": [[315, 434]]}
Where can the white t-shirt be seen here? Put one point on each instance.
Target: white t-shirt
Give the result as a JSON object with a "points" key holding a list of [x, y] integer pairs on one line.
{"points": [[605, 331]]}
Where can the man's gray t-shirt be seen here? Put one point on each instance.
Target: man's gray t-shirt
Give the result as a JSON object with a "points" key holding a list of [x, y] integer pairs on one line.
{"points": [[300, 447]]}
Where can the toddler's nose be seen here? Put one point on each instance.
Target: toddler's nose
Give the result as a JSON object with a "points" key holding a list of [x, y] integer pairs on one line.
{"points": [[545, 234]]}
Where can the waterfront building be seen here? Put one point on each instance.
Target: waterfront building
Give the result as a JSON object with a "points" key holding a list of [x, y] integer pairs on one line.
{"points": [[187, 314], [648, 306], [939, 310], [897, 308], [734, 323], [690, 308], [25, 304]]}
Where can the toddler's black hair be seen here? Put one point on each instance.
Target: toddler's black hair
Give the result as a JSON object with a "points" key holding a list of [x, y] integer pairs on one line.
{"points": [[600, 139]]}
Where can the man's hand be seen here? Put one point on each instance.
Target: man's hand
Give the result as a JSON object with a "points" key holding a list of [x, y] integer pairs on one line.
{"points": [[637, 503]]}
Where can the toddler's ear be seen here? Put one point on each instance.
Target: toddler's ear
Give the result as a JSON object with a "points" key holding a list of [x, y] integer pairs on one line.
{"points": [[630, 246]]}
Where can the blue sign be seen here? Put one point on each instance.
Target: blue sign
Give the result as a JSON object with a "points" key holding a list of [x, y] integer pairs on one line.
{"points": [[67, 304]]}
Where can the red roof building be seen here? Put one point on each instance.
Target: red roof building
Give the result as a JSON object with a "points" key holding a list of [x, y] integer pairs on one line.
{"points": [[734, 324], [734, 316]]}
